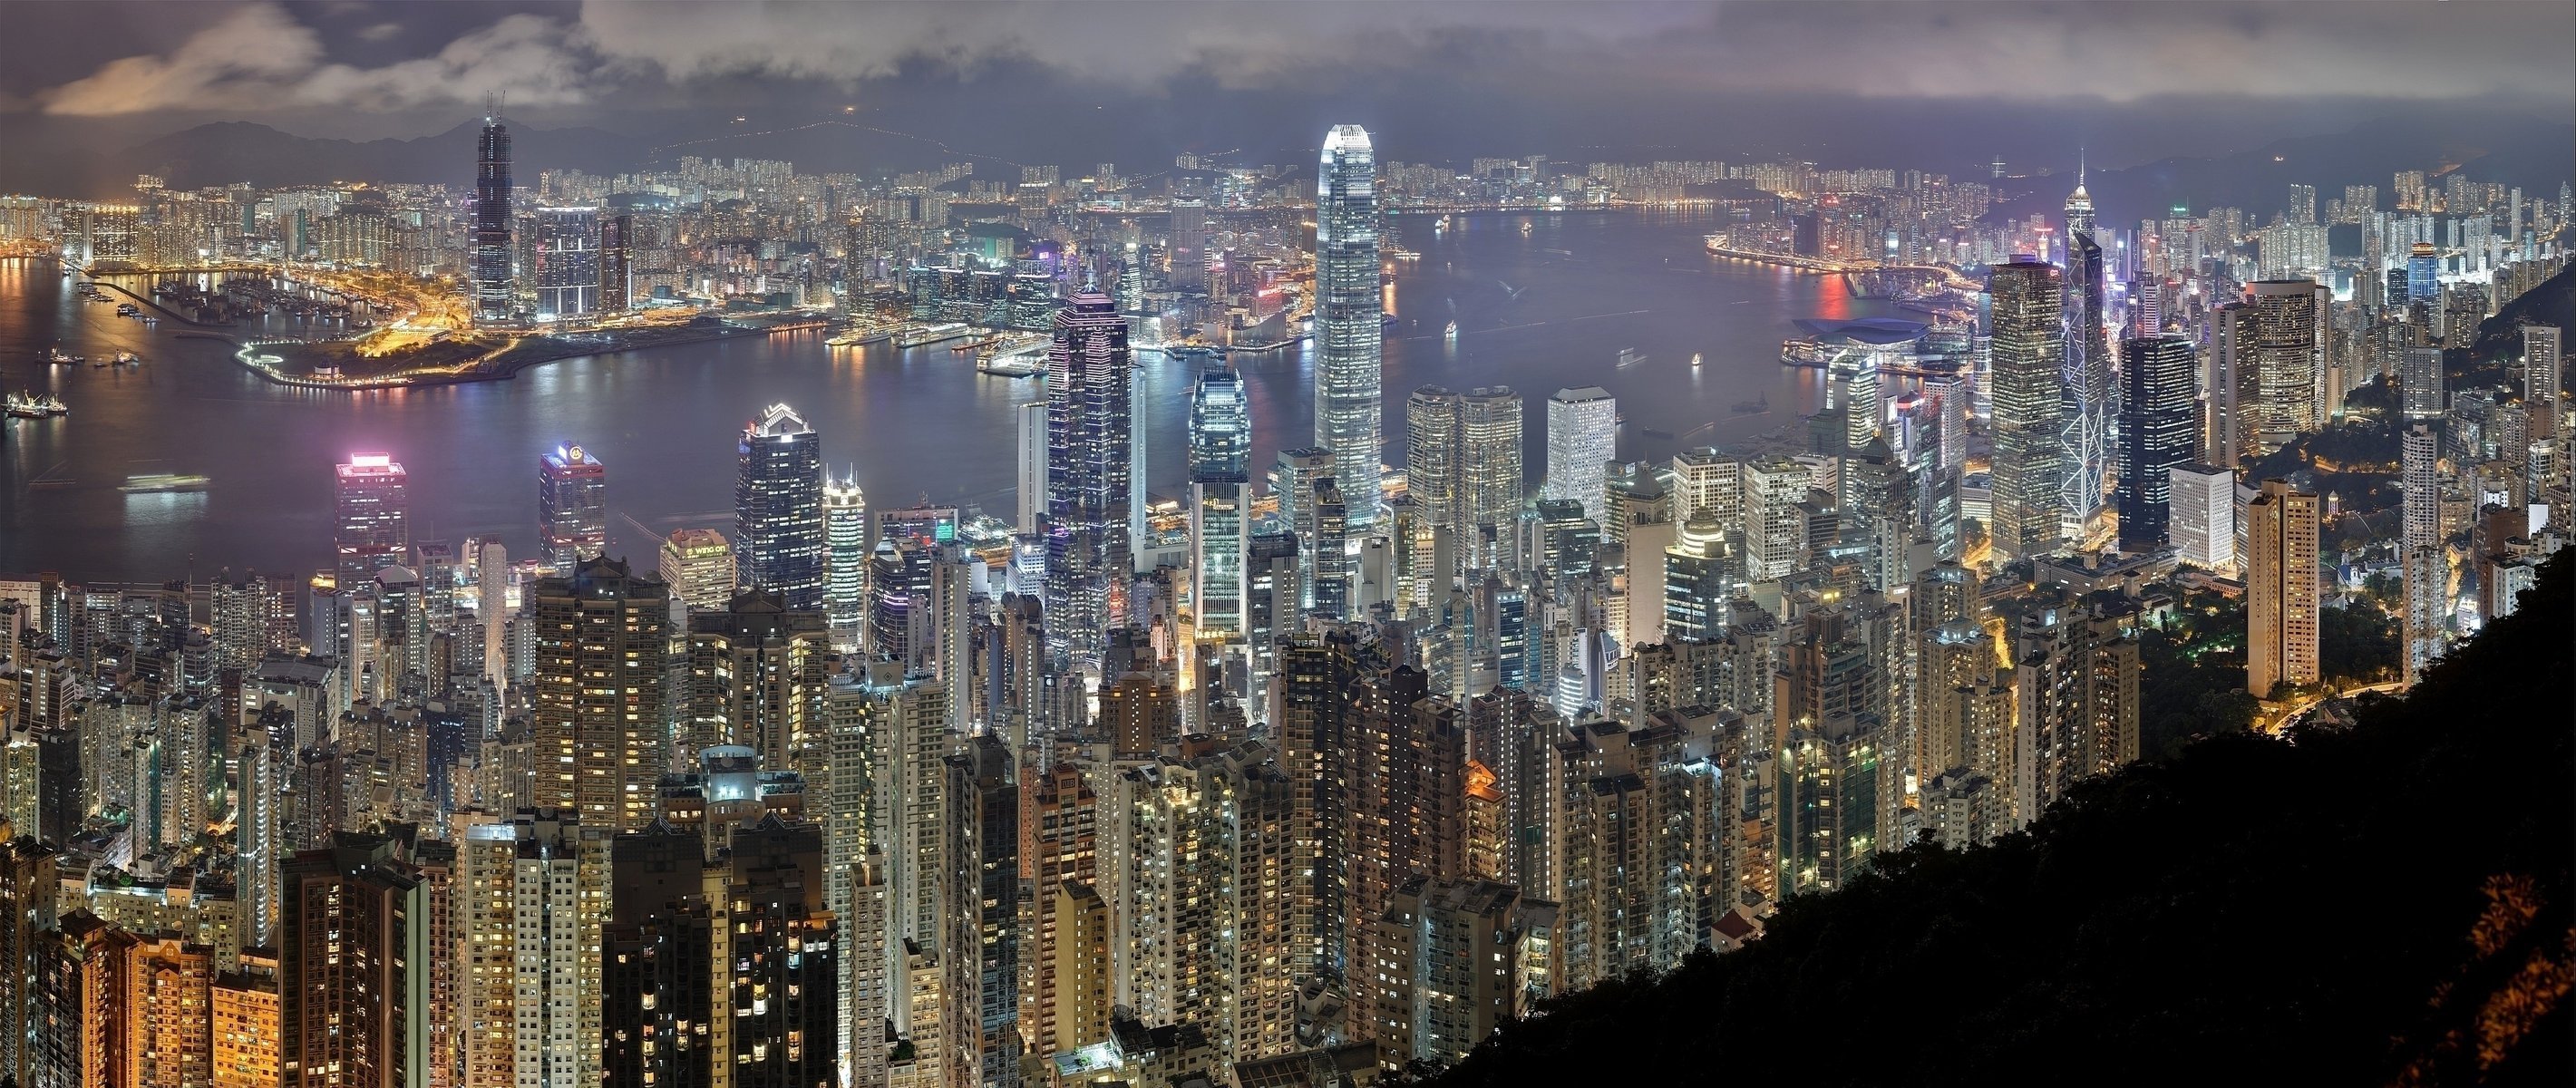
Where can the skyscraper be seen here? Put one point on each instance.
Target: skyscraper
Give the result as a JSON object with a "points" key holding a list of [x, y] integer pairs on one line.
{"points": [[572, 506], [616, 263], [600, 702], [698, 564], [2030, 456], [1088, 473], [2286, 361], [567, 269], [2419, 384], [372, 530], [2158, 428], [532, 896], [778, 509], [2087, 390], [1220, 498], [493, 254], [1349, 314], [1463, 464], [1582, 440], [2543, 372], [2425, 564], [353, 967], [2281, 590], [845, 565], [2201, 515]]}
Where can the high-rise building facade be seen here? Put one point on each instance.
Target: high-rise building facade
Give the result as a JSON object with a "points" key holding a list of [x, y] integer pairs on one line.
{"points": [[1220, 499], [353, 967], [1088, 473], [1582, 440], [572, 506], [2027, 305], [845, 562], [1463, 466], [1350, 333], [2286, 364], [698, 565], [2087, 391], [2426, 564], [778, 508], [2201, 515], [2158, 430], [2282, 599], [530, 897], [371, 521], [616, 263], [600, 703], [567, 270], [493, 256]]}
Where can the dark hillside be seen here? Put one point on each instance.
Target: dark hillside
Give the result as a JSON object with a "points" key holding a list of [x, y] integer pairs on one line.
{"points": [[2385, 905]]}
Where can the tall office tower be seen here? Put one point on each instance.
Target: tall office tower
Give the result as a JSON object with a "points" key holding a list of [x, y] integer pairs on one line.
{"points": [[2030, 455], [1207, 875], [2287, 362], [616, 263], [1455, 962], [572, 506], [2202, 515], [778, 509], [2076, 681], [2425, 564], [756, 679], [1708, 483], [2281, 588], [1060, 818], [2419, 384], [698, 565], [2088, 391], [601, 702], [353, 967], [1031, 420], [493, 253], [371, 528], [1220, 500], [1349, 314], [530, 896], [492, 606], [1582, 440], [1315, 731], [720, 972], [2424, 280], [1088, 474], [567, 271], [2543, 372], [1331, 585], [845, 561], [2158, 430], [981, 884], [1700, 577], [1463, 466]]}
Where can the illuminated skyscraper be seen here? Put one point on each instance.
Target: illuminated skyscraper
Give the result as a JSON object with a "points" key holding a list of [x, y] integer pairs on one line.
{"points": [[1088, 473], [698, 564], [1582, 440], [1220, 498], [567, 269], [2281, 588], [2424, 277], [1349, 312], [2086, 391], [2543, 372], [572, 506], [531, 896], [2030, 455], [1463, 463], [2201, 515], [353, 975], [778, 509], [2158, 428], [2426, 566], [2285, 362], [600, 702], [845, 566], [371, 529], [616, 263], [493, 255]]}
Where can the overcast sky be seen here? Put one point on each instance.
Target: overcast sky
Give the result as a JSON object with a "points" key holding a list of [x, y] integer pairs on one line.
{"points": [[357, 68]]}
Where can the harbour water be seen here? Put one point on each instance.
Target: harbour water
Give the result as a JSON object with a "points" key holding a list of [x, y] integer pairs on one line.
{"points": [[1540, 310]]}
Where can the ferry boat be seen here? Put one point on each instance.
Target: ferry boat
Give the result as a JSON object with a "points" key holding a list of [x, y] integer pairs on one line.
{"points": [[1452, 333], [1525, 228], [860, 338], [1628, 357], [127, 309], [59, 357], [1694, 358], [162, 482], [926, 335], [36, 406], [127, 358], [1441, 223]]}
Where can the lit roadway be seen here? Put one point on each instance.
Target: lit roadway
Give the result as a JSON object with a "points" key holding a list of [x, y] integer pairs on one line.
{"points": [[2274, 719]]}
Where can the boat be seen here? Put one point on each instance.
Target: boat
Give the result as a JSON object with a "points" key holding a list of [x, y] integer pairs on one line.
{"points": [[1452, 333], [59, 357], [1010, 368], [1525, 228], [36, 406], [127, 358], [926, 335], [127, 309], [1753, 407], [860, 338], [1628, 357], [1440, 224], [1694, 358], [162, 482]]}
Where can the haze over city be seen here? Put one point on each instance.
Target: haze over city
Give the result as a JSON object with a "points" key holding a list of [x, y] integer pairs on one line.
{"points": [[1285, 545]]}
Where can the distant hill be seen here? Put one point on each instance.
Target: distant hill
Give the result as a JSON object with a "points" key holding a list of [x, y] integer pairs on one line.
{"points": [[231, 151], [2528, 152], [2387, 904]]}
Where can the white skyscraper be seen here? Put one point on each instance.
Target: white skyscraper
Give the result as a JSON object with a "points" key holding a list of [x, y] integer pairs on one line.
{"points": [[1349, 314], [530, 899], [492, 588], [1032, 420], [1582, 439], [2203, 506], [845, 561]]}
